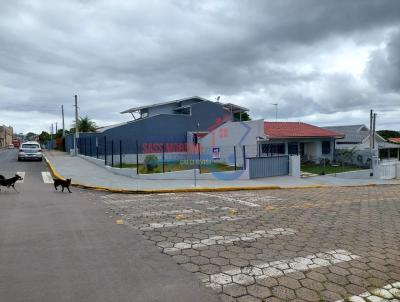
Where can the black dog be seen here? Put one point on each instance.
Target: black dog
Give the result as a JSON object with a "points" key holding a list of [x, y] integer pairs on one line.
{"points": [[10, 182], [62, 183]]}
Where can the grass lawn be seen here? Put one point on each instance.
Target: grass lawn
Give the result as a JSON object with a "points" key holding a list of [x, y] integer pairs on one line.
{"points": [[317, 169], [176, 166]]}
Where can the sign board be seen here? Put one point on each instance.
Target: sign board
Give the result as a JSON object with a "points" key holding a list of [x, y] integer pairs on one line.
{"points": [[216, 153]]}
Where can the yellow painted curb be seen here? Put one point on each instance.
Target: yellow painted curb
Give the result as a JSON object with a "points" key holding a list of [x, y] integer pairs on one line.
{"points": [[192, 190]]}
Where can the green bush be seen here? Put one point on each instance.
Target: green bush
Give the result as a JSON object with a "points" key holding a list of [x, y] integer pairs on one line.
{"points": [[151, 163]]}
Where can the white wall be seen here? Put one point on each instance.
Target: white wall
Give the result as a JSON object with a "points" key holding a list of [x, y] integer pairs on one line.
{"points": [[235, 132]]}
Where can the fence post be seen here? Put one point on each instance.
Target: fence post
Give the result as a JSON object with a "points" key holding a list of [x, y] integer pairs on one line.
{"points": [[90, 146], [120, 154], [244, 157], [163, 158], [137, 157], [198, 146], [97, 147], [234, 156], [105, 150], [112, 153]]}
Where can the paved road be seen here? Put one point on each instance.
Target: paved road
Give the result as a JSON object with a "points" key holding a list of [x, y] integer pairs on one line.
{"points": [[63, 247], [324, 244]]}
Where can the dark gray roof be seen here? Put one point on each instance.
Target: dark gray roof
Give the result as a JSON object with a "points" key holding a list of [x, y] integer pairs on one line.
{"points": [[134, 109], [353, 133], [386, 145]]}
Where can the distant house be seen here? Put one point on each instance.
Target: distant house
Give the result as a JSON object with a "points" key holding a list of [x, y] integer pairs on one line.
{"points": [[311, 142], [357, 137], [395, 140], [6, 136], [262, 138]]}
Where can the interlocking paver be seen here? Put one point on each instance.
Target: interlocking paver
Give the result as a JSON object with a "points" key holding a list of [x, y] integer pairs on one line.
{"points": [[303, 245], [283, 292]]}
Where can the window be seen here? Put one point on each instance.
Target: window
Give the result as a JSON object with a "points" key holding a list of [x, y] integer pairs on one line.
{"points": [[326, 147], [31, 146], [273, 148], [293, 148]]}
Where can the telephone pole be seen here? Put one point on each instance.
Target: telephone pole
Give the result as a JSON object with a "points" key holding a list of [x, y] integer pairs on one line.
{"points": [[63, 124], [76, 125]]}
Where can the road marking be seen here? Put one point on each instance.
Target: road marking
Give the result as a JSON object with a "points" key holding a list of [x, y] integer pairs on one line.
{"points": [[242, 202], [47, 178], [213, 240], [22, 174], [247, 275], [169, 224], [165, 213], [390, 291]]}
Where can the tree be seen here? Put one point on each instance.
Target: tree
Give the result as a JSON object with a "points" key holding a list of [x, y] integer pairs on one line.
{"points": [[44, 137], [30, 136], [60, 133], [85, 125], [386, 134], [245, 116]]}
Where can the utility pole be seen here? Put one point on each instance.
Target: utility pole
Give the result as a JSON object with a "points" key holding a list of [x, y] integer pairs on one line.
{"points": [[63, 123], [76, 125], [56, 129], [51, 137], [374, 129], [371, 116]]}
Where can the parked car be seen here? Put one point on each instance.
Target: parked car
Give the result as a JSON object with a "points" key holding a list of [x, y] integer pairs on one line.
{"points": [[30, 150], [11, 146]]}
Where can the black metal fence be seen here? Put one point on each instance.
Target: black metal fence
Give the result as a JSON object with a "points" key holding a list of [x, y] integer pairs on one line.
{"points": [[165, 157]]}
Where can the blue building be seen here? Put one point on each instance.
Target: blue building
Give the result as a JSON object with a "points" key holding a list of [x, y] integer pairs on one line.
{"points": [[174, 123]]}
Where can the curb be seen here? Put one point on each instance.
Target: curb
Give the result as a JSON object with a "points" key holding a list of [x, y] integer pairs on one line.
{"points": [[193, 190]]}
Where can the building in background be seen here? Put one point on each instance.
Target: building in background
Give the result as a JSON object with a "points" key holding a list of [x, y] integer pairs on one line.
{"points": [[262, 138], [356, 140], [175, 124], [6, 136]]}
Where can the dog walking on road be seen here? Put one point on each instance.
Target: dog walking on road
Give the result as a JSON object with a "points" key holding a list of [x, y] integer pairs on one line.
{"points": [[63, 183], [10, 182]]}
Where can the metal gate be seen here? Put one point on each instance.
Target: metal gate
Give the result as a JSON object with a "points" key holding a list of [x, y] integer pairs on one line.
{"points": [[260, 167]]}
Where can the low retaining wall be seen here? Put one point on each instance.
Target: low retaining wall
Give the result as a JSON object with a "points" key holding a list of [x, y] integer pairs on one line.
{"points": [[176, 175]]}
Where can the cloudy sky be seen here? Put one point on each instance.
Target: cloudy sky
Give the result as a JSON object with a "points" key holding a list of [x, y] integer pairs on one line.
{"points": [[324, 62]]}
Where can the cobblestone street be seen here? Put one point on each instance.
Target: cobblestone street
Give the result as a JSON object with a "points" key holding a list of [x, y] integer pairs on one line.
{"points": [[325, 244]]}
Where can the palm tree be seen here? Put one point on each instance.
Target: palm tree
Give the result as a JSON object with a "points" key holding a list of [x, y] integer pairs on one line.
{"points": [[85, 125]]}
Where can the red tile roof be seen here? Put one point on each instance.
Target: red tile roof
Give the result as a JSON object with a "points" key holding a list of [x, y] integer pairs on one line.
{"points": [[296, 129], [395, 140]]}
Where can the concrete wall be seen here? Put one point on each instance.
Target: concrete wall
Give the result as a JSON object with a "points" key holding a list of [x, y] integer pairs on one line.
{"points": [[177, 175], [232, 134]]}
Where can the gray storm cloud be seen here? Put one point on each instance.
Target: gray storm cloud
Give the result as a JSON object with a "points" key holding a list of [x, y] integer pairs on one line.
{"points": [[118, 54]]}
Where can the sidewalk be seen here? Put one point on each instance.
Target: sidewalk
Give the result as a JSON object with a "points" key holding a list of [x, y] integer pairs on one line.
{"points": [[88, 174]]}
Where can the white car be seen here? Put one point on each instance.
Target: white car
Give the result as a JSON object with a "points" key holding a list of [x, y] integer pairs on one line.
{"points": [[30, 150]]}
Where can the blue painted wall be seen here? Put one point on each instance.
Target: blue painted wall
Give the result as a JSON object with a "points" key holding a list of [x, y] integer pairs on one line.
{"points": [[162, 128]]}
